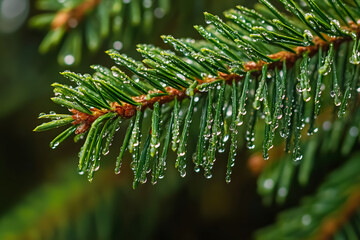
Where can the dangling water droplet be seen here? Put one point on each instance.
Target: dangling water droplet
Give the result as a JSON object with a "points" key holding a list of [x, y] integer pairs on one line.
{"points": [[97, 166], [297, 155], [183, 173], [242, 104], [259, 90], [332, 93], [228, 179], [250, 132], [176, 126], [307, 37], [180, 162], [208, 174], [355, 57], [336, 91], [53, 145], [144, 180], [266, 154], [326, 68], [335, 25]]}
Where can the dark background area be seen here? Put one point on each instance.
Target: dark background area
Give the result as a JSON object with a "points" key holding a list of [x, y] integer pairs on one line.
{"points": [[176, 208]]}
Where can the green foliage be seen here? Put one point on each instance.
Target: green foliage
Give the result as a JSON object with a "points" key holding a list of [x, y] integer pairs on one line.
{"points": [[60, 210], [304, 221], [66, 207], [280, 99], [70, 23], [279, 177], [336, 198]]}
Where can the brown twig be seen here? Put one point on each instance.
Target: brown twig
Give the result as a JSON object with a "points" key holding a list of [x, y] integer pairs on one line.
{"points": [[69, 18], [127, 110]]}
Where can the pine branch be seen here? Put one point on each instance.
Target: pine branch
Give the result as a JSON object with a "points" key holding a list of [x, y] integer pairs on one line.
{"points": [[70, 23], [267, 91], [279, 177], [129, 110], [321, 216]]}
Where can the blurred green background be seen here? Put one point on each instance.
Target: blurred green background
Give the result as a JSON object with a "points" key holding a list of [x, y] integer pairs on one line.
{"points": [[43, 197]]}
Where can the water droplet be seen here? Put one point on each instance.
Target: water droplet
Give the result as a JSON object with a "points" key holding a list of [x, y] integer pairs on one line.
{"points": [[332, 93], [208, 174], [53, 145], [228, 179], [266, 153], [183, 173], [180, 154]]}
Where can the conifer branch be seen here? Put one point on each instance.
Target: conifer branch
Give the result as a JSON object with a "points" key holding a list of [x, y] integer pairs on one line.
{"points": [[278, 90], [74, 23], [128, 110], [323, 215], [277, 181], [260, 73]]}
